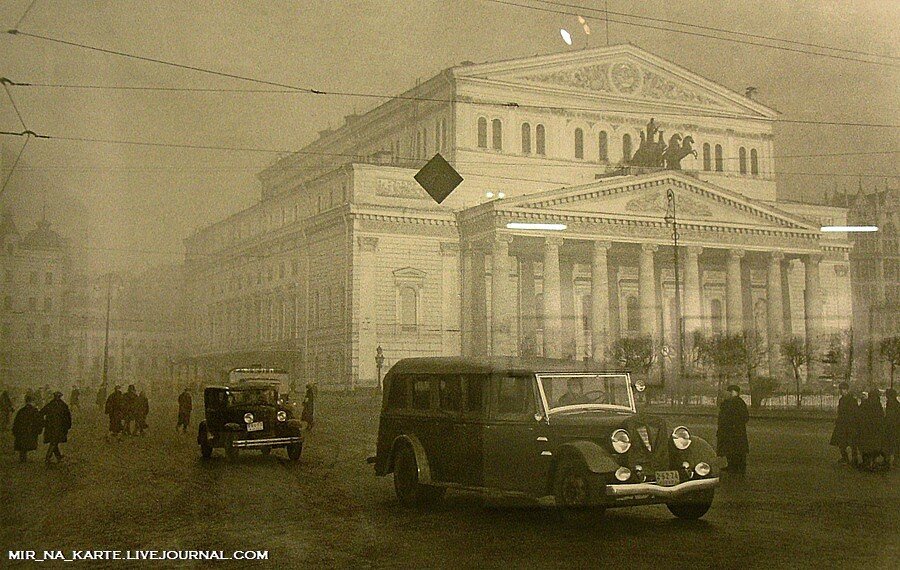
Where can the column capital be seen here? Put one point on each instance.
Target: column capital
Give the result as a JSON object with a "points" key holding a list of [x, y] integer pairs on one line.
{"points": [[694, 250], [553, 241], [601, 245], [776, 256], [368, 243], [501, 239], [813, 258], [736, 254], [649, 247]]}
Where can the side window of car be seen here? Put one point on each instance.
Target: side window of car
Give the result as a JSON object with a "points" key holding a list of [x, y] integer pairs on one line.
{"points": [[514, 396], [421, 392], [475, 393], [450, 392], [397, 392]]}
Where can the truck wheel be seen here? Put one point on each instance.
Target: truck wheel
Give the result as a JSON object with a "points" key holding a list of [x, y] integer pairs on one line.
{"points": [[294, 450], [406, 481], [693, 508]]}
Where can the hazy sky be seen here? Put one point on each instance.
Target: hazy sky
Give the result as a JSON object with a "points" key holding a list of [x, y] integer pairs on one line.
{"points": [[131, 206]]}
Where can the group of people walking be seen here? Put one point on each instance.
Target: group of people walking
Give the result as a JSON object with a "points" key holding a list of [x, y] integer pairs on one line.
{"points": [[127, 412], [867, 434], [53, 419]]}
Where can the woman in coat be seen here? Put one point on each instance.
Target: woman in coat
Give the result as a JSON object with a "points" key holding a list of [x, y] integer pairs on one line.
{"points": [[27, 426]]}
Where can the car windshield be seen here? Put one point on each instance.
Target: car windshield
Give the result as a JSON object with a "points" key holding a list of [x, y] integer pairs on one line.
{"points": [[252, 397], [586, 391]]}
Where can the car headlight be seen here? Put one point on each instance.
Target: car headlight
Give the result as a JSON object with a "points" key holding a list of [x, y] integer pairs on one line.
{"points": [[623, 474], [281, 415], [702, 469], [620, 441], [248, 418], [681, 437]]}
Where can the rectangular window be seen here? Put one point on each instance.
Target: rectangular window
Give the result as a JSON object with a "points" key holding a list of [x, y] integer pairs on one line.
{"points": [[421, 392], [397, 392], [450, 392], [514, 395], [475, 393]]}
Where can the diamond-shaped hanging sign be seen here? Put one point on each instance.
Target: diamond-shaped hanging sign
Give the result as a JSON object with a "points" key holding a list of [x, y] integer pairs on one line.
{"points": [[438, 178]]}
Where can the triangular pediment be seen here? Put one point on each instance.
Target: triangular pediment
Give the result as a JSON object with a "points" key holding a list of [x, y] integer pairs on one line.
{"points": [[645, 197], [622, 72]]}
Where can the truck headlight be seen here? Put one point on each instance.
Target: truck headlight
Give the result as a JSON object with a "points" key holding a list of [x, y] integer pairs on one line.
{"points": [[621, 442], [681, 437], [281, 415], [248, 418]]}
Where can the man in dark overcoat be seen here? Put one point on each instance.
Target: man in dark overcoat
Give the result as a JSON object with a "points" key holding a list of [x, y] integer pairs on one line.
{"points": [[871, 429], [731, 436], [130, 403], [26, 428], [115, 409], [57, 420], [844, 434], [185, 405]]}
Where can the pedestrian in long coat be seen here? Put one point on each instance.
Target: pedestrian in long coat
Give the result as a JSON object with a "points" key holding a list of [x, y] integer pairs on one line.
{"points": [[115, 409], [845, 426], [57, 420], [130, 403], [6, 410], [185, 405], [309, 406], [27, 426], [731, 435], [871, 429], [891, 427], [143, 410]]}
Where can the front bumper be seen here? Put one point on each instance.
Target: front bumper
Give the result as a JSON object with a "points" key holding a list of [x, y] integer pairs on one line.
{"points": [[642, 490], [266, 442]]}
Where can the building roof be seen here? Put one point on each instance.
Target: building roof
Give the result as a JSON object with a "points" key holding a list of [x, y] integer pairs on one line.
{"points": [[43, 237]]}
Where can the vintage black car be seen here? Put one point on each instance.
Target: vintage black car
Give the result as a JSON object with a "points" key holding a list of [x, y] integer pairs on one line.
{"points": [[249, 415], [563, 432]]}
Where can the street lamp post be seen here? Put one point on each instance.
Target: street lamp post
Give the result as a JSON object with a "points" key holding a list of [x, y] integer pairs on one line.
{"points": [[679, 337], [379, 362]]}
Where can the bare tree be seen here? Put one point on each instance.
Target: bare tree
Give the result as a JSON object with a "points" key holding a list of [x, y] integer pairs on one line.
{"points": [[794, 352], [725, 355], [890, 353]]}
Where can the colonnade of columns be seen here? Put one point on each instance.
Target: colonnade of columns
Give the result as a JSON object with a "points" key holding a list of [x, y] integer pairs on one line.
{"points": [[499, 333]]}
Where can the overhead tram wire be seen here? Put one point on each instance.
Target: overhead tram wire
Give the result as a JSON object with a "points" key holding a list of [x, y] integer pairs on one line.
{"points": [[697, 34], [403, 97], [24, 15], [406, 159], [26, 132], [13, 168], [604, 11]]}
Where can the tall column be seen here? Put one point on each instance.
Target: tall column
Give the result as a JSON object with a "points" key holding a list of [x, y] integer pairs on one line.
{"points": [[600, 339], [647, 291], [693, 318], [813, 305], [367, 375], [450, 307], [734, 298], [567, 305], [466, 306], [479, 304], [552, 307], [501, 297], [775, 311], [528, 318]]}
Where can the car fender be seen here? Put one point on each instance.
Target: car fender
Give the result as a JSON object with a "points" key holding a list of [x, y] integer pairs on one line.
{"points": [[701, 450], [418, 450], [594, 457]]}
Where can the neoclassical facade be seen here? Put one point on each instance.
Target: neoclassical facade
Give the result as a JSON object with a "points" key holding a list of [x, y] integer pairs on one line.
{"points": [[344, 252]]}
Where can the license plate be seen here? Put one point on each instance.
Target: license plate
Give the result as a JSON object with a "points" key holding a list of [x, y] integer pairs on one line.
{"points": [[258, 426], [667, 478]]}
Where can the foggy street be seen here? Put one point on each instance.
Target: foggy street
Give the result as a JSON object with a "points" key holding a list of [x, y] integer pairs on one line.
{"points": [[156, 493]]}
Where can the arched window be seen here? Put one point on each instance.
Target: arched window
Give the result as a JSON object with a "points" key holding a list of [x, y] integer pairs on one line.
{"points": [[633, 314], [719, 160], [754, 162], [408, 309], [626, 147], [742, 160], [707, 157], [715, 315], [539, 140], [497, 134], [526, 138], [604, 147], [482, 132], [579, 143]]}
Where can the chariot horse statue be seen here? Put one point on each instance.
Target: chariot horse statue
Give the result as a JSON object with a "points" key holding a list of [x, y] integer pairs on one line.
{"points": [[678, 149]]}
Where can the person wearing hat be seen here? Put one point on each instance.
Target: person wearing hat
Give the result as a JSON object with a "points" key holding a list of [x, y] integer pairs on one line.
{"points": [[185, 406], [26, 428], [130, 404], [57, 420], [731, 435], [115, 409], [871, 429], [844, 435]]}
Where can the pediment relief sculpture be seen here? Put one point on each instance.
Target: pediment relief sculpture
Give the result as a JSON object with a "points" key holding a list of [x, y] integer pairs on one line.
{"points": [[654, 203]]}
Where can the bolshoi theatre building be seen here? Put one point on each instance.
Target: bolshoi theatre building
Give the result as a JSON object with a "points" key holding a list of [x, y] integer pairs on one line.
{"points": [[558, 242]]}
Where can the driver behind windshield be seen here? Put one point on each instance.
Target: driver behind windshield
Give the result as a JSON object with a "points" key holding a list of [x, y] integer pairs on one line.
{"points": [[574, 393]]}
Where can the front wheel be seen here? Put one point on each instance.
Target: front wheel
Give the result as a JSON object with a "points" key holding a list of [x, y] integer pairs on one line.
{"points": [[406, 481], [692, 508], [294, 450]]}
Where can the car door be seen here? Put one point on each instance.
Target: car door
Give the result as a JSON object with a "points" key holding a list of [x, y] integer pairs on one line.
{"points": [[513, 459], [470, 430]]}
